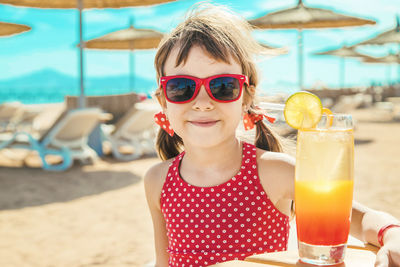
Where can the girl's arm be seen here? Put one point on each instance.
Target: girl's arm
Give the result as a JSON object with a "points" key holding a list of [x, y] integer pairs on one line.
{"points": [[365, 225], [153, 186]]}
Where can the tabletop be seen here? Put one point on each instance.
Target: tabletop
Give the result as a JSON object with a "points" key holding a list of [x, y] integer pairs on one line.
{"points": [[357, 254]]}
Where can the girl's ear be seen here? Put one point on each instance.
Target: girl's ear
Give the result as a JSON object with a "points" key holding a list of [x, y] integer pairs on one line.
{"points": [[161, 99], [248, 97]]}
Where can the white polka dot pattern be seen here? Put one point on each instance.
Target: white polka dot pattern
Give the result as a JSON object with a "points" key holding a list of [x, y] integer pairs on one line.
{"points": [[207, 225]]}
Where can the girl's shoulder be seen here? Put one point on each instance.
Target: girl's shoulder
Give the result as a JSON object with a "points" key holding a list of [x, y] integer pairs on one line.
{"points": [[276, 172], [156, 173], [154, 180], [275, 159]]}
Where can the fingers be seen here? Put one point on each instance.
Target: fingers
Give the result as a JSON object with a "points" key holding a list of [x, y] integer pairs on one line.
{"points": [[395, 258], [382, 258]]}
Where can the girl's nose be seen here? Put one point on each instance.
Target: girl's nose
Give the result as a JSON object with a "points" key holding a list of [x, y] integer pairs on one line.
{"points": [[203, 101]]}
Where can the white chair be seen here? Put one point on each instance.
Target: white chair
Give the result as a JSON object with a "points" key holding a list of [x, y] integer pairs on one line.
{"points": [[134, 132], [67, 137], [8, 111]]}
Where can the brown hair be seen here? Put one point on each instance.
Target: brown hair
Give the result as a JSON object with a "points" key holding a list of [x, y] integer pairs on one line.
{"points": [[224, 36]]}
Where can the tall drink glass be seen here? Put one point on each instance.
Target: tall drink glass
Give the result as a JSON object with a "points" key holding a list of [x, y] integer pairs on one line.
{"points": [[324, 189]]}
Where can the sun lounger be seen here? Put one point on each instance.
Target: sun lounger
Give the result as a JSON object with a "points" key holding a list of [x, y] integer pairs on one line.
{"points": [[15, 116], [8, 111], [67, 138], [24, 120], [135, 131]]}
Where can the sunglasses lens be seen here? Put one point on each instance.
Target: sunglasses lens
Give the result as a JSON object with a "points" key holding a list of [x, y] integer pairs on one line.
{"points": [[180, 89], [225, 88]]}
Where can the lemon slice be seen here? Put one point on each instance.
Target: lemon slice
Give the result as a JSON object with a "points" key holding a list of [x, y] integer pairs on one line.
{"points": [[303, 110], [329, 116]]}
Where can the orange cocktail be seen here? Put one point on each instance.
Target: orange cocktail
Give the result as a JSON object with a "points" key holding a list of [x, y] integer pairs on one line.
{"points": [[319, 227], [324, 189]]}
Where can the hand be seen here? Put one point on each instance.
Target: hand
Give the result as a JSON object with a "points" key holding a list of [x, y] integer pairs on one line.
{"points": [[389, 254]]}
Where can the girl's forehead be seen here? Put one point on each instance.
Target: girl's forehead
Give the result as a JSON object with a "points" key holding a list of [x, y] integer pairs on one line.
{"points": [[199, 63]]}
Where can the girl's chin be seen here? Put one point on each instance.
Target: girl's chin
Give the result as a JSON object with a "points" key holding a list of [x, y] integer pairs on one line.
{"points": [[201, 140], [204, 141]]}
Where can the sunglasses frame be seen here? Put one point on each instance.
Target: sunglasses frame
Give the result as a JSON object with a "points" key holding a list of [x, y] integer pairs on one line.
{"points": [[206, 82]]}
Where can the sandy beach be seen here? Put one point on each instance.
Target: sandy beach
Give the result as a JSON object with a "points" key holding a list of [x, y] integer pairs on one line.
{"points": [[96, 215]]}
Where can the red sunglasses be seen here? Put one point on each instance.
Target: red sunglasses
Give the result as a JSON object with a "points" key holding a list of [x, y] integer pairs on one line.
{"points": [[222, 88]]}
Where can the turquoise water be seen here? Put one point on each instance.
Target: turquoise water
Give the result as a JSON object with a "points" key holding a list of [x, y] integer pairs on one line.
{"points": [[38, 95], [49, 86]]}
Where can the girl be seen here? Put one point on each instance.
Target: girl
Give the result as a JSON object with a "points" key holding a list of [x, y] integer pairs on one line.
{"points": [[215, 198]]}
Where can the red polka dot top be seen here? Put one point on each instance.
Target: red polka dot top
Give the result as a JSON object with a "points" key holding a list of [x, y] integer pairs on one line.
{"points": [[233, 220]]}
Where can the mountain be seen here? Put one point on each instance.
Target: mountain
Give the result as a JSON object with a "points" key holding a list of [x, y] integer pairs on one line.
{"points": [[44, 77], [49, 85]]}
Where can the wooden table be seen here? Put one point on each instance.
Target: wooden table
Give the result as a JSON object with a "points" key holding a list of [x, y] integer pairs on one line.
{"points": [[358, 254]]}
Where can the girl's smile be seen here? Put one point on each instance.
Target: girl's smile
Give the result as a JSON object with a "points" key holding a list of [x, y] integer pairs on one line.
{"points": [[204, 122]]}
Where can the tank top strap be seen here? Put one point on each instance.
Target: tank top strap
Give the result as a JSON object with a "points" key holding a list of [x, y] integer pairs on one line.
{"points": [[174, 167], [249, 155], [249, 167]]}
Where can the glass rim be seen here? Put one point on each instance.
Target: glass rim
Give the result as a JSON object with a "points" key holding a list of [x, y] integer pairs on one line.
{"points": [[338, 122], [337, 115]]}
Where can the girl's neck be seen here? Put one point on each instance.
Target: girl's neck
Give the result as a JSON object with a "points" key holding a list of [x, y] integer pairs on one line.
{"points": [[222, 155]]}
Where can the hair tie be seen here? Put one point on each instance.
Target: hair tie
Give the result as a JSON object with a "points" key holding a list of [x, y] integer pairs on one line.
{"points": [[250, 120], [161, 119]]}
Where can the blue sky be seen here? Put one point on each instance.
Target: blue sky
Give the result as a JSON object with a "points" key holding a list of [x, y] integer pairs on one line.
{"points": [[51, 42]]}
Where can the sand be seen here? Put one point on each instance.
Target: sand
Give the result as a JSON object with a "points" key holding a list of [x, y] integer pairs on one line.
{"points": [[96, 215]]}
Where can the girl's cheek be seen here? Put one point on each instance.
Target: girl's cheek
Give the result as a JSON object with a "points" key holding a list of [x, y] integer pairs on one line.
{"points": [[174, 118]]}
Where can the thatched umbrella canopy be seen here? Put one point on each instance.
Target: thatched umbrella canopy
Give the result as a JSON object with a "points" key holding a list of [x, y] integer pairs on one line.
{"points": [[127, 39], [388, 60], [80, 5], [343, 52], [391, 36], [86, 4], [8, 29], [302, 17], [273, 51]]}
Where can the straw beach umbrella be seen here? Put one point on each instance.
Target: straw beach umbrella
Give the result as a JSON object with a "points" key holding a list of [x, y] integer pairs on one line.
{"points": [[391, 36], [127, 39], [343, 52], [302, 17], [273, 51], [388, 60], [9, 29], [80, 5]]}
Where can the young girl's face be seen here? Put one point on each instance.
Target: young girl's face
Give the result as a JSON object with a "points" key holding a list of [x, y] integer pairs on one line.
{"points": [[203, 121]]}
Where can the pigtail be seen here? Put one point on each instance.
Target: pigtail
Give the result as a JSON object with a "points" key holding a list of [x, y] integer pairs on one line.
{"points": [[266, 138], [168, 146]]}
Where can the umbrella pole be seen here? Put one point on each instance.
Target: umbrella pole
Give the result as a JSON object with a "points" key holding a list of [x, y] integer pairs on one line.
{"points": [[81, 101], [398, 65], [388, 73], [300, 57], [342, 71], [131, 69]]}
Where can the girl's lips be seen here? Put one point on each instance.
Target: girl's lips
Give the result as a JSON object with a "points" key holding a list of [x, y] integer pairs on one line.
{"points": [[204, 123]]}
